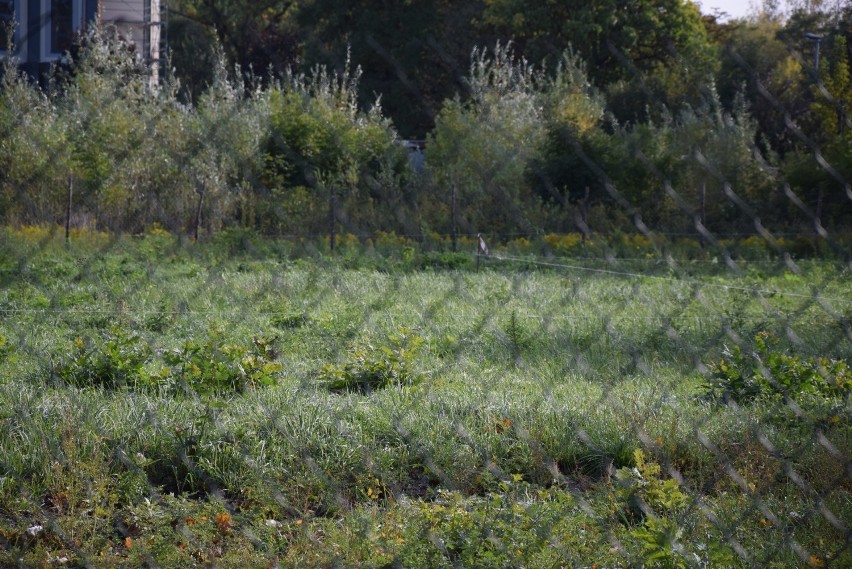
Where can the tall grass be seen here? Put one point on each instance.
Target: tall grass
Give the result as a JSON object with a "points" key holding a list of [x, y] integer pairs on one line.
{"points": [[534, 387]]}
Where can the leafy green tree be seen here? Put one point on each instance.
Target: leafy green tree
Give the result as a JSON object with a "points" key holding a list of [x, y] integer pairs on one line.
{"points": [[223, 155], [755, 60], [669, 171], [103, 103], [256, 35], [648, 52], [156, 169], [833, 95], [33, 151], [414, 54], [136, 155], [567, 170], [707, 154], [324, 156], [192, 54], [821, 171], [478, 154]]}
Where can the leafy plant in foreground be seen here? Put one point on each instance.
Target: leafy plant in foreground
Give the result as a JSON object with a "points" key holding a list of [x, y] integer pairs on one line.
{"points": [[368, 367], [660, 543], [211, 368], [643, 492], [645, 496], [769, 371], [5, 348], [115, 359]]}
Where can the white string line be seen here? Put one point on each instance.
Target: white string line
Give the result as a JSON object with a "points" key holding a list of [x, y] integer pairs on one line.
{"points": [[529, 260], [606, 260], [658, 260], [651, 317], [665, 278], [134, 311]]}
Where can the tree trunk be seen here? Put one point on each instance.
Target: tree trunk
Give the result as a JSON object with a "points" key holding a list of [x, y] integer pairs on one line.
{"points": [[332, 213], [703, 214], [818, 220], [198, 215], [454, 231], [68, 211]]}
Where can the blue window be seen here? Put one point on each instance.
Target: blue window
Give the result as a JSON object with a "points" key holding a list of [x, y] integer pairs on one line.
{"points": [[7, 10], [61, 25]]}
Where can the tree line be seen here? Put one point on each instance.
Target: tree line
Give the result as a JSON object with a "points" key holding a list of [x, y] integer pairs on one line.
{"points": [[289, 118]]}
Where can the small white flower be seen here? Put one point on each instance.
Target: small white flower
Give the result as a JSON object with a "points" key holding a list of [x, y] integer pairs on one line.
{"points": [[35, 530]]}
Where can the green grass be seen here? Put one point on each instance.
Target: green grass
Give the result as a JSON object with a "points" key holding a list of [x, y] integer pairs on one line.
{"points": [[495, 443]]}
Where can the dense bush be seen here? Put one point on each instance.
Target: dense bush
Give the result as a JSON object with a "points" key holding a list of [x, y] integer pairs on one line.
{"points": [[117, 358], [524, 150], [214, 367], [368, 367], [112, 360], [324, 158], [769, 371]]}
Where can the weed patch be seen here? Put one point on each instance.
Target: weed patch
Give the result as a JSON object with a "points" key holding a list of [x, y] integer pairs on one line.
{"points": [[368, 368], [770, 372], [110, 360], [216, 367]]}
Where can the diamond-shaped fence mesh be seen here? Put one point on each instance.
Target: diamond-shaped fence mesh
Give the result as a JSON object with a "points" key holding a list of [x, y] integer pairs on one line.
{"points": [[260, 330]]}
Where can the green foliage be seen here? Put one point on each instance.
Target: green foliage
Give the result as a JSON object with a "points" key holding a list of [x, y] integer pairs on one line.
{"points": [[258, 35], [444, 260], [769, 372], [755, 55], [660, 543], [573, 112], [300, 153], [6, 348], [830, 119], [105, 104], [643, 493], [412, 53], [486, 464], [517, 335], [645, 496], [704, 151], [368, 368], [213, 367], [655, 39], [321, 145], [33, 150], [288, 320], [480, 148], [500, 529], [114, 359], [173, 531]]}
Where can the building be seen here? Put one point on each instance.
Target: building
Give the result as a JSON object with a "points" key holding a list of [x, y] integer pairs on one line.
{"points": [[44, 29]]}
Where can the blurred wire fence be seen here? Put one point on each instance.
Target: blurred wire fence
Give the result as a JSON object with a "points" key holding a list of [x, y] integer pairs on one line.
{"points": [[261, 330]]}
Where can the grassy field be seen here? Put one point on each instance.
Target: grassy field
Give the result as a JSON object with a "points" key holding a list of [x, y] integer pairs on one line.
{"points": [[178, 405]]}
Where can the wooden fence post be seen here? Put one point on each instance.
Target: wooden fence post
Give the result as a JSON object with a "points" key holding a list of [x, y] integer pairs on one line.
{"points": [[454, 231], [200, 192], [68, 211], [332, 213]]}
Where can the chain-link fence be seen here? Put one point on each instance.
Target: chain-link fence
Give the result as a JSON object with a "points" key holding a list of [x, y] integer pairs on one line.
{"points": [[261, 330]]}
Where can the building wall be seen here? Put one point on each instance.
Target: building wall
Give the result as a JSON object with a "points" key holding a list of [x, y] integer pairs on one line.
{"points": [[139, 20]]}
